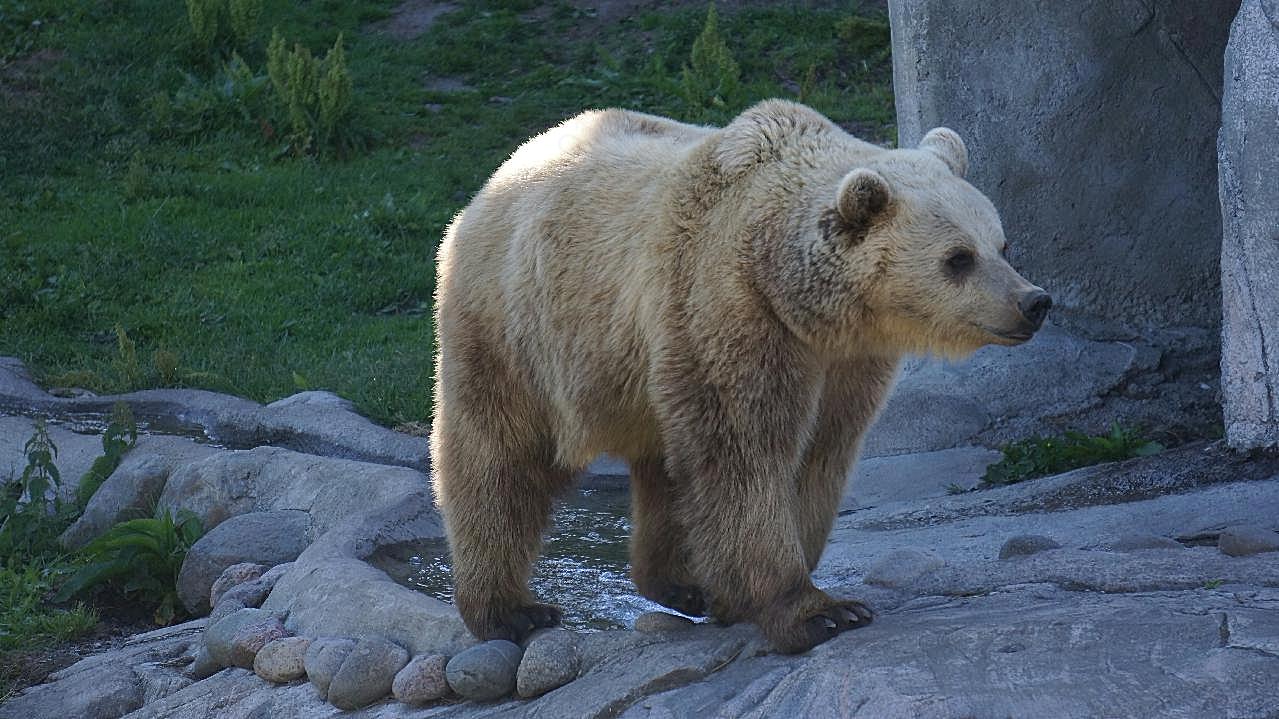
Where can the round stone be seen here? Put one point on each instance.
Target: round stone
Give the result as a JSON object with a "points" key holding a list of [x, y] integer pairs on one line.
{"points": [[486, 671], [250, 639], [367, 673], [422, 680], [1024, 545], [551, 660], [233, 575], [323, 660], [282, 660], [1243, 540], [220, 635]]}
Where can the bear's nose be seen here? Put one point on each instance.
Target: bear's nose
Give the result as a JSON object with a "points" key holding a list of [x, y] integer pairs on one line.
{"points": [[1034, 306]]}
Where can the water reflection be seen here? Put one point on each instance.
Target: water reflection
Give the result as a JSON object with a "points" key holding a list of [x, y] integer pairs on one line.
{"points": [[583, 568]]}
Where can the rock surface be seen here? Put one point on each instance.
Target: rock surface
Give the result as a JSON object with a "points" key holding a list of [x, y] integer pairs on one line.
{"points": [[1248, 165], [1079, 631], [1090, 127], [268, 538], [484, 672]]}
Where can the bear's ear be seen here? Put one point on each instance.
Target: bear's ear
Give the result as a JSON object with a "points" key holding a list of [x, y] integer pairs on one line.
{"points": [[863, 196], [946, 144]]}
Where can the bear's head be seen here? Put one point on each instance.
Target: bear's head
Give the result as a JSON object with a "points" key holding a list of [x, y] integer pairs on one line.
{"points": [[941, 279], [887, 250]]}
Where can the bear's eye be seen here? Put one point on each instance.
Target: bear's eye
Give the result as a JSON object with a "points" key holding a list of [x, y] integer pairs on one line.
{"points": [[960, 262]]}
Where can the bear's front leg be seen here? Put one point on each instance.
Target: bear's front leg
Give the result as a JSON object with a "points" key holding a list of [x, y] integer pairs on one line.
{"points": [[735, 437]]}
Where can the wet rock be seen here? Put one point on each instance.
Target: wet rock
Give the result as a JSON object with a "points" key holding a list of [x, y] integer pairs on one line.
{"points": [[366, 674], [220, 637], [903, 567], [323, 659], [282, 660], [551, 660], [1137, 541], [232, 576], [486, 671], [268, 538], [250, 639], [1244, 540], [1024, 545], [422, 680], [655, 622]]}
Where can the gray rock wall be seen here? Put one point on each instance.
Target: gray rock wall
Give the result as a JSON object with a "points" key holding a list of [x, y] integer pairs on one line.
{"points": [[1248, 152], [1091, 126]]}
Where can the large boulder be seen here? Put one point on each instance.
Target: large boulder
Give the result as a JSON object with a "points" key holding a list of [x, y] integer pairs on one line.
{"points": [[267, 538], [1090, 126], [1249, 170]]}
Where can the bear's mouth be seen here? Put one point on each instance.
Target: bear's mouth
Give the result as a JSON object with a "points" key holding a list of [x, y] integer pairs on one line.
{"points": [[1010, 338]]}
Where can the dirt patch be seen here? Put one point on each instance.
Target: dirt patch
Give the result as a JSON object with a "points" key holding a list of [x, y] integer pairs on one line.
{"points": [[21, 79], [412, 18], [445, 84]]}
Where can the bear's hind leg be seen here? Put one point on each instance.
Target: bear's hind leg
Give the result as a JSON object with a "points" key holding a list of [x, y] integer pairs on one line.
{"points": [[658, 552]]}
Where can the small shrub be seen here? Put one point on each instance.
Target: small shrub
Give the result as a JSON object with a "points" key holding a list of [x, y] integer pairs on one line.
{"points": [[1042, 456], [244, 16], [203, 17], [31, 515], [226, 23], [140, 558], [126, 365], [120, 436], [712, 78], [316, 95], [233, 99]]}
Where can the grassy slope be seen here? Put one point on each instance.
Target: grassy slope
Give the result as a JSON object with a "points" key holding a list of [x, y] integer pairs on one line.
{"points": [[260, 274]]}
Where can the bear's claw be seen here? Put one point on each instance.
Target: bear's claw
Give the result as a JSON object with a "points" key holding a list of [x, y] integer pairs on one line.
{"points": [[831, 621], [522, 620]]}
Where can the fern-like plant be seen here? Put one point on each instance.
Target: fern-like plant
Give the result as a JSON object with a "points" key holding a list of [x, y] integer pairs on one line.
{"points": [[244, 16], [712, 78], [316, 95], [203, 16], [140, 558]]}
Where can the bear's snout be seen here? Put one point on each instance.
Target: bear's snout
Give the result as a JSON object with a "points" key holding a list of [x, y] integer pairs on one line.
{"points": [[1034, 306]]}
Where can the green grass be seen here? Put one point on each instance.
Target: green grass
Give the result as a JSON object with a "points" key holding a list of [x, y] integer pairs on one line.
{"points": [[1043, 456], [144, 188], [27, 621]]}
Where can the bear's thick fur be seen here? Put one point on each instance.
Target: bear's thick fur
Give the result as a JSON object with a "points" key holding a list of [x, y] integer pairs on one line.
{"points": [[723, 308]]}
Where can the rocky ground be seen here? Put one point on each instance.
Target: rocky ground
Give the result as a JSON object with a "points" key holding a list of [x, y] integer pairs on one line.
{"points": [[1143, 588]]}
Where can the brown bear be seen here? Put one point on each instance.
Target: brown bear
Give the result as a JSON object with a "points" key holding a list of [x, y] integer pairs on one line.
{"points": [[724, 308]]}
